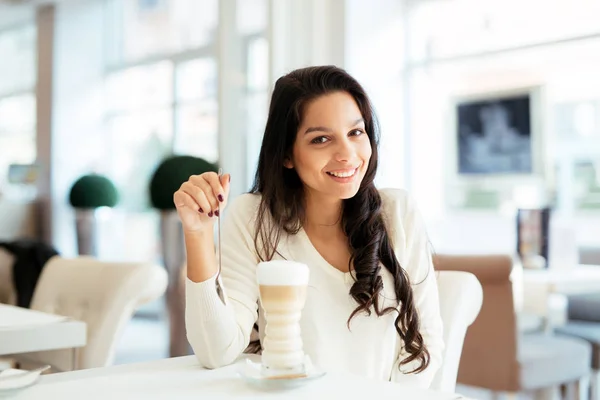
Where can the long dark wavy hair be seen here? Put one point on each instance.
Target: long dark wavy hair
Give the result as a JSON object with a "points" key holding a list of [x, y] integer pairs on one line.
{"points": [[282, 206]]}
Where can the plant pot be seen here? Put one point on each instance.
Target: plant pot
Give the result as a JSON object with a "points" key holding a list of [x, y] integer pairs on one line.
{"points": [[173, 252], [86, 222]]}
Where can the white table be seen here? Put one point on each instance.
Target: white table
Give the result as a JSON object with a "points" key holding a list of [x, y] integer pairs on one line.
{"points": [[545, 290], [183, 378], [23, 331], [578, 279]]}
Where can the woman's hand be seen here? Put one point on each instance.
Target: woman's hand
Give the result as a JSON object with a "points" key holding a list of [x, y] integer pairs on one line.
{"points": [[199, 199]]}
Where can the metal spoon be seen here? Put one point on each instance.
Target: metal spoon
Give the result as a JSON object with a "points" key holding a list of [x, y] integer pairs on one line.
{"points": [[219, 289]]}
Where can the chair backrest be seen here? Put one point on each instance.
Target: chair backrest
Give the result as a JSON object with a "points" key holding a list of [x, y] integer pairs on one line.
{"points": [[8, 295], [489, 356], [461, 297], [103, 294], [589, 255]]}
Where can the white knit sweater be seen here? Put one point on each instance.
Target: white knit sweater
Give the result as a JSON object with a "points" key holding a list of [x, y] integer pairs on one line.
{"points": [[371, 347]]}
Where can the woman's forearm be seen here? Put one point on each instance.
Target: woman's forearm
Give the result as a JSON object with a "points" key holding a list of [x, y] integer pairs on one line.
{"points": [[201, 259]]}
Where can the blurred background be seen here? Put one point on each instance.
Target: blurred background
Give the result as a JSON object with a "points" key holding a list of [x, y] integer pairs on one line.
{"points": [[489, 114]]}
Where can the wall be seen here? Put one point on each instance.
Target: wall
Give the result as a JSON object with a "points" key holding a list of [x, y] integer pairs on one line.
{"points": [[562, 72]]}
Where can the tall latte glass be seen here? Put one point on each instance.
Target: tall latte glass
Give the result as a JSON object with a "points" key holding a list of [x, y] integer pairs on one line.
{"points": [[282, 286]]}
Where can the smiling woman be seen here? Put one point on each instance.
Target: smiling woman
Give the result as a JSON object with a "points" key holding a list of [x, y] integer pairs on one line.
{"points": [[372, 308], [331, 147]]}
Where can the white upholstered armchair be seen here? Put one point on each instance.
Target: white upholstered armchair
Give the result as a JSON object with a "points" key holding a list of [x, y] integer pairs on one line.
{"points": [[103, 294]]}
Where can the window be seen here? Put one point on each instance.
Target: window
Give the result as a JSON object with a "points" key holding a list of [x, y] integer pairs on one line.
{"points": [[161, 99], [18, 55], [143, 29], [161, 88], [257, 98], [17, 98], [155, 110], [196, 109], [495, 25], [587, 185], [577, 126], [17, 132], [140, 88]]}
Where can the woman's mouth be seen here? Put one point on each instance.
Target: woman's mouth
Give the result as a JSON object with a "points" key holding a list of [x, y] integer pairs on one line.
{"points": [[343, 176]]}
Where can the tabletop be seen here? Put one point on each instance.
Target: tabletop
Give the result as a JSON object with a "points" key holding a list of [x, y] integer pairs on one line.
{"points": [[23, 330], [577, 279], [183, 378]]}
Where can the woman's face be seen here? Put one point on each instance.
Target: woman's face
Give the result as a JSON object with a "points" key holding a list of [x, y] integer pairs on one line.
{"points": [[332, 150]]}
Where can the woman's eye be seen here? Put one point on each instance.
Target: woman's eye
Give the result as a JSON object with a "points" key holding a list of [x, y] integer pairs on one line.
{"points": [[357, 132], [319, 140]]}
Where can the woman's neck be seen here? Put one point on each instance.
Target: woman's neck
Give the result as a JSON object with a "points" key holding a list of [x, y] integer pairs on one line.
{"points": [[323, 215]]}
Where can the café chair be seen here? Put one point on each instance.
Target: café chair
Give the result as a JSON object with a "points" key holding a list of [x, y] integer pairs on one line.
{"points": [[461, 296], [496, 356], [102, 294]]}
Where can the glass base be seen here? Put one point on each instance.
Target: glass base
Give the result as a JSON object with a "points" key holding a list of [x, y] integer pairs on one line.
{"points": [[254, 373]]}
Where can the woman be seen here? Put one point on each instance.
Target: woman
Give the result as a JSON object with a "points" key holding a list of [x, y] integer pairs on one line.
{"points": [[372, 306]]}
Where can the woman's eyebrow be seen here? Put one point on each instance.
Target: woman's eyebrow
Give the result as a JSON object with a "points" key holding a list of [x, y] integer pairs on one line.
{"points": [[328, 130]]}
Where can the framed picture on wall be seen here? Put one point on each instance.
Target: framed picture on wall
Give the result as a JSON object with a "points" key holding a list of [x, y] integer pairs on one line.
{"points": [[497, 134], [495, 143], [494, 135]]}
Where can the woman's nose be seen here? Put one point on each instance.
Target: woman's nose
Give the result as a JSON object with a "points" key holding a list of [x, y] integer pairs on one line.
{"points": [[345, 150]]}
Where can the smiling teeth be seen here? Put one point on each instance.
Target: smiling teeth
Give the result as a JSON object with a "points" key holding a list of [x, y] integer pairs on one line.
{"points": [[342, 174]]}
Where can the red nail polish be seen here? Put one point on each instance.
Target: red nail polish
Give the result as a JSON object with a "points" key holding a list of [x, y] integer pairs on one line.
{"points": [[210, 214], [220, 197], [217, 213], [201, 210]]}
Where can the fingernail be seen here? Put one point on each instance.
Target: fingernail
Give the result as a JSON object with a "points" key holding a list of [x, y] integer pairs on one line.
{"points": [[201, 210], [228, 178], [220, 197], [217, 213], [210, 214]]}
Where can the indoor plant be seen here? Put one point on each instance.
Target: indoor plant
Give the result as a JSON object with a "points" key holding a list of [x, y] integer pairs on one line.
{"points": [[166, 180], [89, 193]]}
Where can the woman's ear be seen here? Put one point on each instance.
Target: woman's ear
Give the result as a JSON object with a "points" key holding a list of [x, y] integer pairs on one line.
{"points": [[288, 163]]}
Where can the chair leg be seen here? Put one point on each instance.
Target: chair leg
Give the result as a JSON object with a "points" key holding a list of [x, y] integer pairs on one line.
{"points": [[595, 385], [504, 396], [583, 387], [551, 393], [578, 390]]}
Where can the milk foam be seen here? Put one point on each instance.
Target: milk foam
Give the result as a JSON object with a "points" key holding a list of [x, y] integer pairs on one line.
{"points": [[282, 273]]}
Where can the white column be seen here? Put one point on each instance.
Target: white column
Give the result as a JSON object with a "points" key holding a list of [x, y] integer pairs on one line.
{"points": [[232, 138], [375, 56], [45, 61], [77, 107], [304, 33]]}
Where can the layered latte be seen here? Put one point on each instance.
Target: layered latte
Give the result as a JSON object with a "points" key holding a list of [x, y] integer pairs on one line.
{"points": [[282, 286]]}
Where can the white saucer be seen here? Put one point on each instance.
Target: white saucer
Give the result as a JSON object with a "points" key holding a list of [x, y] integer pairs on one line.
{"points": [[19, 380], [252, 373]]}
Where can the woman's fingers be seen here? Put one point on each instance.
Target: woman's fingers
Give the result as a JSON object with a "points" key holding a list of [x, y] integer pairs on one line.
{"points": [[225, 183], [182, 199], [198, 194], [215, 184], [206, 193]]}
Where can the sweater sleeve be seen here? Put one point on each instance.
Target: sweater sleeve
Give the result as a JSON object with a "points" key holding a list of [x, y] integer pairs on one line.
{"points": [[217, 332], [412, 247]]}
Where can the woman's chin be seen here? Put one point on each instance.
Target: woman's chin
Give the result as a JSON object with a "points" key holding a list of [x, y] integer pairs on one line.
{"points": [[348, 193]]}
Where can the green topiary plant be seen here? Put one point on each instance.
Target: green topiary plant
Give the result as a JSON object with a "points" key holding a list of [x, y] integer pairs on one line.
{"points": [[93, 191], [169, 176]]}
